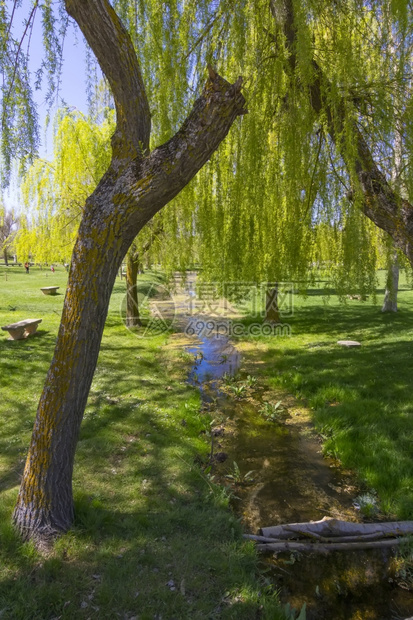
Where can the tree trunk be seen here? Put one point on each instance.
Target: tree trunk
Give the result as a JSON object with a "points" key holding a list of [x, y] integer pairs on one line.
{"points": [[392, 286], [45, 505], [272, 314], [132, 318], [135, 187], [5, 258]]}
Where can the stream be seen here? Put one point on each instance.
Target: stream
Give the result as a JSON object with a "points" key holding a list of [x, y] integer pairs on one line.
{"points": [[274, 468], [290, 482]]}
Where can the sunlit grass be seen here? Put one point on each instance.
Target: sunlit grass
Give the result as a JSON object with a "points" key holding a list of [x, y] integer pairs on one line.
{"points": [[152, 536]]}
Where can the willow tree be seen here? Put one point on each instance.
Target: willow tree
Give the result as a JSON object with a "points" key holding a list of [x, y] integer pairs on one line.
{"points": [[308, 173], [8, 230], [136, 185], [54, 192], [358, 85]]}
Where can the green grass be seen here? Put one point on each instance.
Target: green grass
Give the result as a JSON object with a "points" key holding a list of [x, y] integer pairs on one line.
{"points": [[152, 538], [361, 399]]}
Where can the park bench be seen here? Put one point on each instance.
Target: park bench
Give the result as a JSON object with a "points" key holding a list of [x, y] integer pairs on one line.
{"points": [[22, 329], [49, 290]]}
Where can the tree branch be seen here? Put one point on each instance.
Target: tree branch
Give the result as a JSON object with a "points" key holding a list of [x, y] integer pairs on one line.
{"points": [[114, 51], [171, 166], [144, 186]]}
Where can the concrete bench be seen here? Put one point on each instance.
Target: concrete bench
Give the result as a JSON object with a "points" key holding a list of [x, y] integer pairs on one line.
{"points": [[49, 290], [23, 329]]}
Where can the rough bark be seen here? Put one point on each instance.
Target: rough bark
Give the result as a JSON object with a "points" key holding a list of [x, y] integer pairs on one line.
{"points": [[392, 286], [272, 314], [135, 187], [133, 267], [381, 204], [132, 318]]}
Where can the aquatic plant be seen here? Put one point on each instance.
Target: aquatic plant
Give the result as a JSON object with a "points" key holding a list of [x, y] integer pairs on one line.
{"points": [[251, 381], [367, 503], [237, 476], [239, 391], [271, 411]]}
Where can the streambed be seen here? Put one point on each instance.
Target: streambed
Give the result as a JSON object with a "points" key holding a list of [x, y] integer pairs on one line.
{"points": [[291, 482]]}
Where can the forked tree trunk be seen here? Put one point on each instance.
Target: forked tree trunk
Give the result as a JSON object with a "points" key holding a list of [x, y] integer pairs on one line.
{"points": [[132, 318], [135, 187], [272, 313], [392, 286]]}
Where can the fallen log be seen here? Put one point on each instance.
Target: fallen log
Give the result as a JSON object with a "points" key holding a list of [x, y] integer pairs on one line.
{"points": [[318, 538], [288, 546], [333, 528], [331, 535]]}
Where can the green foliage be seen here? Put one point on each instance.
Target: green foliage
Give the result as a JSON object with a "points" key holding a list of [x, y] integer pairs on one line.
{"points": [[272, 412], [19, 118], [272, 204], [54, 192]]}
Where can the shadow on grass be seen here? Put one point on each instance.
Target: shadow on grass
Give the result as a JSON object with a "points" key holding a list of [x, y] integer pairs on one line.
{"points": [[23, 369], [153, 536]]}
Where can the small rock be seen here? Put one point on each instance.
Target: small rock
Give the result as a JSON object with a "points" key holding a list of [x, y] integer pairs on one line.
{"points": [[171, 585], [349, 343], [220, 457], [217, 432]]}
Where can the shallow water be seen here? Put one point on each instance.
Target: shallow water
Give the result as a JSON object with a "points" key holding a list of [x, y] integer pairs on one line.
{"points": [[292, 482]]}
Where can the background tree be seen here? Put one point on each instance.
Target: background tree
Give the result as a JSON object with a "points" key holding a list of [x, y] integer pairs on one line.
{"points": [[8, 229], [135, 257], [329, 85], [54, 192]]}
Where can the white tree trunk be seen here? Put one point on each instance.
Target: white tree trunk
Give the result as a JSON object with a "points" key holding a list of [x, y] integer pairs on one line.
{"points": [[392, 286]]}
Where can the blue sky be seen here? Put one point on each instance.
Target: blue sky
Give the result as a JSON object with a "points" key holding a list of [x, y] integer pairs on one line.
{"points": [[72, 90], [73, 78]]}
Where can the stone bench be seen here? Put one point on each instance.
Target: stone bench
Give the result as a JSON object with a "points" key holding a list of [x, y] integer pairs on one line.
{"points": [[49, 290], [23, 329]]}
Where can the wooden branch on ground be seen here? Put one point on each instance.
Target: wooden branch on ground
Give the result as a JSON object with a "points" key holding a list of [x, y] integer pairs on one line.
{"points": [[331, 535], [287, 546]]}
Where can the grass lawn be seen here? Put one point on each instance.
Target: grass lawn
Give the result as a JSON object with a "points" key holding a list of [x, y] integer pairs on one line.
{"points": [[153, 538], [361, 400]]}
